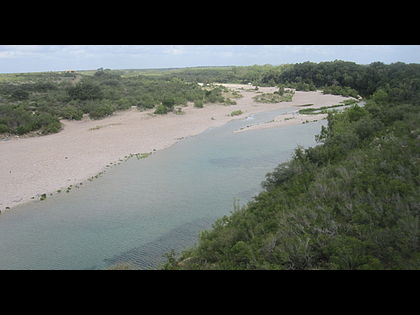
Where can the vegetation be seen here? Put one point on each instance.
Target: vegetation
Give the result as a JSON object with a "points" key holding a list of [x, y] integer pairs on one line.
{"points": [[37, 102], [320, 110], [365, 79], [236, 113], [352, 202], [228, 101], [338, 90], [275, 97]]}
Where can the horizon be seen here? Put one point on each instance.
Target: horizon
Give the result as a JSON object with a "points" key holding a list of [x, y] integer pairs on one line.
{"points": [[55, 58], [195, 67]]}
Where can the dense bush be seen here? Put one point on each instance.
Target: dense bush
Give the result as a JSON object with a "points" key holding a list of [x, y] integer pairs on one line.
{"points": [[100, 110], [352, 202], [168, 103], [198, 103], [161, 110], [365, 79], [71, 112], [338, 90], [85, 91], [214, 96], [99, 95]]}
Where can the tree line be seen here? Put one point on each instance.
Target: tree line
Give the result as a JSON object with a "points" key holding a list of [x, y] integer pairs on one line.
{"points": [[350, 203], [39, 102]]}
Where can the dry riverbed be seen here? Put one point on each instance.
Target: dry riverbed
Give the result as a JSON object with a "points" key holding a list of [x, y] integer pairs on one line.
{"points": [[32, 168]]}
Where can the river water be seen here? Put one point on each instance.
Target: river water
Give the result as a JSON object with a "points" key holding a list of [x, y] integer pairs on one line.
{"points": [[140, 210]]}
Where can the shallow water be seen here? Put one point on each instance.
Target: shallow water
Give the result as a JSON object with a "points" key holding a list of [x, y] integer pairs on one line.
{"points": [[141, 209]]}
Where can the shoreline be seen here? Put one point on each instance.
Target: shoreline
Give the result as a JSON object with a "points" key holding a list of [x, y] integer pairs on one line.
{"points": [[36, 166], [288, 119]]}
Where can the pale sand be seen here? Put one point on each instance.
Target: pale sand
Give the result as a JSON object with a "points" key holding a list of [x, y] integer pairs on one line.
{"points": [[285, 120], [30, 167]]}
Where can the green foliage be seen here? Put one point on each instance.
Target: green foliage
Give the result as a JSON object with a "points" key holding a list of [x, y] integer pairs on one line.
{"points": [[47, 123], [350, 203], [168, 103], [339, 90], [199, 103], [236, 113], [214, 95], [228, 101], [4, 128], [20, 120], [146, 102], [85, 91], [319, 110], [20, 95], [71, 112], [161, 110], [275, 97], [99, 94], [100, 110], [345, 78], [69, 95]]}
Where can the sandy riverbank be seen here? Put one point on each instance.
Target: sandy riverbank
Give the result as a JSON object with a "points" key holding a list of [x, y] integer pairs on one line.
{"points": [[30, 167], [285, 120]]}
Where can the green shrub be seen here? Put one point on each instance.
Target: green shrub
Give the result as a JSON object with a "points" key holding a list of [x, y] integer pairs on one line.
{"points": [[199, 103], [229, 101], [168, 103], [161, 110], [71, 112], [236, 113], [273, 97], [20, 95], [214, 95], [340, 90], [85, 91], [101, 110], [146, 101], [52, 127], [4, 128], [350, 203]]}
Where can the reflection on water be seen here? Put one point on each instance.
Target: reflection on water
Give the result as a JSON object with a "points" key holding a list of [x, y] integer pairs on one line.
{"points": [[150, 255], [141, 209]]}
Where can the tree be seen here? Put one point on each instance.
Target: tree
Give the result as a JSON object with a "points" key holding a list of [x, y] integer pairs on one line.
{"points": [[85, 91], [168, 102], [20, 95], [161, 110]]}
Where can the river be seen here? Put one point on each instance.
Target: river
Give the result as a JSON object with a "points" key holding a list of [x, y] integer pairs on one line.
{"points": [[140, 210]]}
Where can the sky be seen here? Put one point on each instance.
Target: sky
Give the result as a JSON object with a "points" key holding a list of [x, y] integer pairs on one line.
{"points": [[36, 58]]}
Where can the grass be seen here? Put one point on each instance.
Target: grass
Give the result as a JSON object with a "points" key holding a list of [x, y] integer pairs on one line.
{"points": [[350, 101], [320, 110], [236, 113], [228, 101], [141, 156], [272, 98], [229, 93], [103, 126], [179, 111]]}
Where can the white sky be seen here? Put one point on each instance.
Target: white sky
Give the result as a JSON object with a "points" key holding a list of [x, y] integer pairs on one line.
{"points": [[33, 58]]}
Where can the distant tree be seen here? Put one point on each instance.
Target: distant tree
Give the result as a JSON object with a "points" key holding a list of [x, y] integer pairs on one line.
{"points": [[85, 91], [161, 110], [168, 102], [99, 72], [20, 95]]}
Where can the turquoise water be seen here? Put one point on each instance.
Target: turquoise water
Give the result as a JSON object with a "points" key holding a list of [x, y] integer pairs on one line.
{"points": [[142, 209]]}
